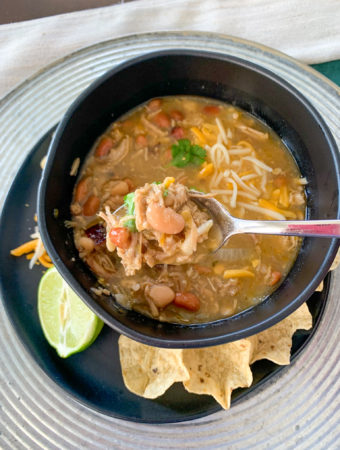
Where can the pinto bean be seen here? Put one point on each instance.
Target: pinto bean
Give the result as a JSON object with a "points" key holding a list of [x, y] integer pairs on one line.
{"points": [[154, 104], [202, 269], [103, 147], [163, 219], [176, 115], [187, 300], [141, 141], [120, 237], [274, 278], [161, 295], [81, 190], [162, 120], [177, 133], [91, 206], [120, 188], [212, 110]]}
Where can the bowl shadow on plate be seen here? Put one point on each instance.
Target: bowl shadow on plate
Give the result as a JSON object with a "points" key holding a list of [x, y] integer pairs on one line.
{"points": [[93, 377]]}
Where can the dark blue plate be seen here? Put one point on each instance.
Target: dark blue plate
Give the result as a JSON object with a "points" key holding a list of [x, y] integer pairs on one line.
{"points": [[93, 377]]}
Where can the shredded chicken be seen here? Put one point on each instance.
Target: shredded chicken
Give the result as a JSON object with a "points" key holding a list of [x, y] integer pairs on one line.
{"points": [[151, 244]]}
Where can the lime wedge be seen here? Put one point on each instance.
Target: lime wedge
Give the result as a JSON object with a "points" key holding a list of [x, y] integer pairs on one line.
{"points": [[68, 324]]}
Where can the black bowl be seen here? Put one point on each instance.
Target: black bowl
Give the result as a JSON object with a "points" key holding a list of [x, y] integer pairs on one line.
{"points": [[253, 88]]}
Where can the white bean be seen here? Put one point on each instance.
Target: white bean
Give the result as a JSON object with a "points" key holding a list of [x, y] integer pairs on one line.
{"points": [[86, 244], [165, 220], [161, 295], [120, 188]]}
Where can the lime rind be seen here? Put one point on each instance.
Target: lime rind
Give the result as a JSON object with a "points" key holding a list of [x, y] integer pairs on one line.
{"points": [[67, 323]]}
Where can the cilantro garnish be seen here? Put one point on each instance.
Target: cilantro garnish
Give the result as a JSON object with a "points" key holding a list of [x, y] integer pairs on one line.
{"points": [[184, 153], [129, 202], [130, 225], [165, 193], [156, 182]]}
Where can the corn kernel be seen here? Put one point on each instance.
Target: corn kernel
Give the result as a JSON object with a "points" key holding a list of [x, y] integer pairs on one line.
{"points": [[186, 215], [219, 268], [255, 263], [168, 181]]}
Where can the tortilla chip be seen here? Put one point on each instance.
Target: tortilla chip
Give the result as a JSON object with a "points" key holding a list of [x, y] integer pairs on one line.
{"points": [[335, 265], [320, 287], [275, 343], [336, 261], [218, 370], [150, 371]]}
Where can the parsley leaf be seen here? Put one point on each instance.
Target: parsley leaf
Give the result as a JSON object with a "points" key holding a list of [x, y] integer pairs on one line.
{"points": [[130, 225], [129, 202], [184, 153]]}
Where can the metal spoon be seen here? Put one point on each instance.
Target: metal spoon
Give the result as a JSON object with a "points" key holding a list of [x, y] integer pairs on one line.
{"points": [[230, 225]]}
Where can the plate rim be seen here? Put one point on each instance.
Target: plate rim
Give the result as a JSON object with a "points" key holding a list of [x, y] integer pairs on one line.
{"points": [[21, 85], [104, 430]]}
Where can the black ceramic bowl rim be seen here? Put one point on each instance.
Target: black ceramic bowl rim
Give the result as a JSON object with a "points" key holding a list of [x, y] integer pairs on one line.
{"points": [[220, 337]]}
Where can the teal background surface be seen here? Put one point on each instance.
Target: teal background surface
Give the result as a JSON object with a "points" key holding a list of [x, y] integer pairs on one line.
{"points": [[330, 69]]}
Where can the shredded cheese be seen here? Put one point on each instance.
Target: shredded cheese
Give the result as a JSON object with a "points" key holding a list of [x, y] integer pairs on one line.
{"points": [[258, 163], [199, 135], [34, 251], [243, 185], [234, 194], [246, 144], [222, 131], [168, 181], [265, 204], [268, 212]]}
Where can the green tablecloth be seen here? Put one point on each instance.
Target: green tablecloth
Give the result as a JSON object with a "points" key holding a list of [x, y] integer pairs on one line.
{"points": [[330, 69]]}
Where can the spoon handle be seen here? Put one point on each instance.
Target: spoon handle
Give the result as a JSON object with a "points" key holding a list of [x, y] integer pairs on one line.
{"points": [[321, 228]]}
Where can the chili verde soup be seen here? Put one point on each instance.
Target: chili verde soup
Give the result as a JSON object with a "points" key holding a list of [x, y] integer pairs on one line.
{"points": [[137, 228]]}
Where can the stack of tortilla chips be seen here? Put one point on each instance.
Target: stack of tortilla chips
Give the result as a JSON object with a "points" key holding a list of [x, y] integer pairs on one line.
{"points": [[217, 371]]}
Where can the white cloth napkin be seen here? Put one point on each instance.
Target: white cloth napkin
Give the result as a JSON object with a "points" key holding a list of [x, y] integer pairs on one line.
{"points": [[308, 30]]}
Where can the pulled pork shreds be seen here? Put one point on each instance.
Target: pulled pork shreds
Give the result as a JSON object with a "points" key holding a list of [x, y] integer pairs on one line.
{"points": [[168, 227]]}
